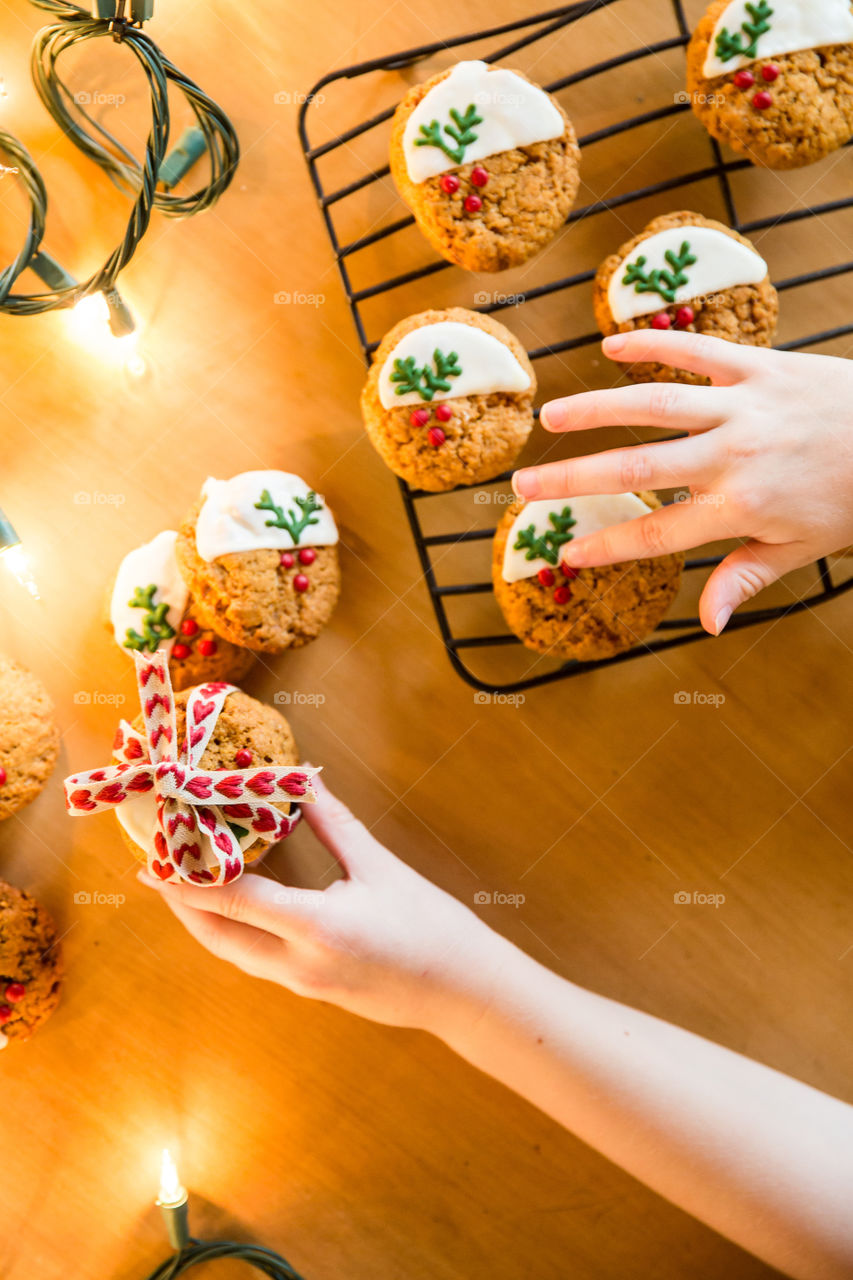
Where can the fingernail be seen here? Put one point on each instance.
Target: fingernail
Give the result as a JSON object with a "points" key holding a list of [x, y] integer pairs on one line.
{"points": [[144, 878], [553, 415], [579, 559], [615, 342], [526, 484], [722, 618]]}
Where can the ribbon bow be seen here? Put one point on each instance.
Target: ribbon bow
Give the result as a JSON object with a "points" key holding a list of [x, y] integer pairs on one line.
{"points": [[205, 818]]}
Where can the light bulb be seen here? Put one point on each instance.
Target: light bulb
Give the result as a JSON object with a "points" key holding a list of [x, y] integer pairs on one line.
{"points": [[89, 326], [15, 560], [171, 1191]]}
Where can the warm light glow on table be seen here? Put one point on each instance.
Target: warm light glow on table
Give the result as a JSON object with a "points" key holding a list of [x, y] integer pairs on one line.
{"points": [[89, 326]]}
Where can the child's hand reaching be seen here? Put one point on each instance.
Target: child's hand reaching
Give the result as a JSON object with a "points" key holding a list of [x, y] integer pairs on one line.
{"points": [[769, 459], [382, 942]]}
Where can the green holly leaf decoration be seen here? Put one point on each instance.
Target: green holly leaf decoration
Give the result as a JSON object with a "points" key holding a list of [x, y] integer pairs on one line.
{"points": [[293, 523], [744, 43], [659, 279], [155, 625], [460, 130], [546, 546], [410, 377], [143, 597]]}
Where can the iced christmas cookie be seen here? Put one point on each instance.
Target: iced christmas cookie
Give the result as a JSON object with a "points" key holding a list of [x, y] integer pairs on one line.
{"points": [[29, 737], [775, 80], [449, 399], [487, 162], [204, 781], [583, 614], [30, 965], [686, 272], [259, 556], [150, 608]]}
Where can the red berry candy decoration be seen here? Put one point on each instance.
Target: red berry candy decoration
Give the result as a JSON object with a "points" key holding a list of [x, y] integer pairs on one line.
{"points": [[189, 627], [473, 204], [307, 555], [684, 316], [243, 758], [300, 582], [562, 595], [287, 560], [479, 176], [180, 651], [449, 183], [443, 412], [419, 417], [14, 992], [770, 72], [436, 437], [546, 577], [568, 572], [2, 776], [762, 100], [5, 1013], [207, 648], [662, 320], [744, 79]]}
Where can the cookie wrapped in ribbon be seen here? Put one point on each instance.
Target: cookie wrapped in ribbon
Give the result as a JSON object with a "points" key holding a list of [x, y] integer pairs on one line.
{"points": [[182, 807]]}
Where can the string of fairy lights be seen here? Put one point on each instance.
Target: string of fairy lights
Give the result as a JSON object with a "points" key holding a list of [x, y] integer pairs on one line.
{"points": [[173, 1202], [149, 184], [96, 302]]}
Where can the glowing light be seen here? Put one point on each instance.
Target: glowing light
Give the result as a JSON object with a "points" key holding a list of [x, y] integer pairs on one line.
{"points": [[135, 363], [15, 560], [89, 326], [171, 1191]]}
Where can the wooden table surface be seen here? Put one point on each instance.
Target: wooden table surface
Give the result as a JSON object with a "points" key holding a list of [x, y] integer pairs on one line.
{"points": [[362, 1151]]}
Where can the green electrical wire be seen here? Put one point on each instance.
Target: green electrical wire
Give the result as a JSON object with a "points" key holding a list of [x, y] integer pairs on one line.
{"points": [[24, 169], [139, 180], [200, 1251], [220, 141]]}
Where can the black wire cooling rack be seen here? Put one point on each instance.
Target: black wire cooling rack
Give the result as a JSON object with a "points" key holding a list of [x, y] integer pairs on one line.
{"points": [[352, 205]]}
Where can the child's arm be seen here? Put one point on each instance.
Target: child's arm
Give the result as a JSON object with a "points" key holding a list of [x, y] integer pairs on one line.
{"points": [[763, 1159], [769, 459]]}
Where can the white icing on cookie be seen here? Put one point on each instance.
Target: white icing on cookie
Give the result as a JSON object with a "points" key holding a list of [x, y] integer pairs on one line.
{"points": [[154, 562], [591, 513], [793, 25], [229, 519], [513, 113], [486, 363], [721, 262]]}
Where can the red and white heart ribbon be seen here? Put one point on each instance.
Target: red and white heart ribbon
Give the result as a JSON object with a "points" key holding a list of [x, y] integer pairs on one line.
{"points": [[205, 817]]}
